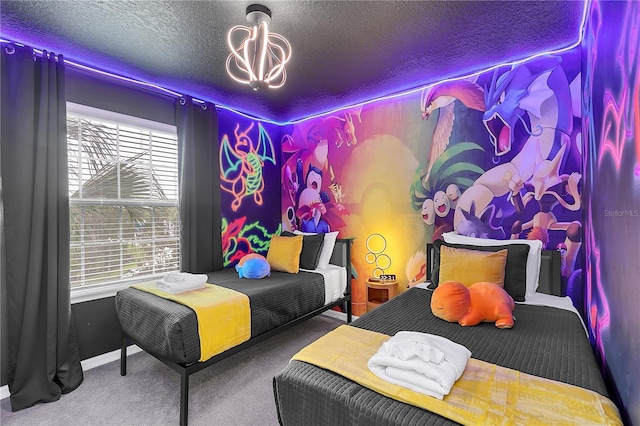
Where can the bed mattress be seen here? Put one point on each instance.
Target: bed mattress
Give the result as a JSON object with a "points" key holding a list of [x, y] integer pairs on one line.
{"points": [[170, 330], [545, 341]]}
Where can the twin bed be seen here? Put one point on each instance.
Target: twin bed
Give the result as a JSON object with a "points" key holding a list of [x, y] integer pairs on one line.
{"points": [[548, 340], [169, 330]]}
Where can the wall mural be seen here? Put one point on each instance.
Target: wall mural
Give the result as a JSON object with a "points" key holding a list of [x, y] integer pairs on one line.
{"points": [[249, 184], [308, 177], [611, 120], [497, 155]]}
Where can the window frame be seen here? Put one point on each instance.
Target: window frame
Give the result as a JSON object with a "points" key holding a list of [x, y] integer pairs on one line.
{"points": [[102, 290]]}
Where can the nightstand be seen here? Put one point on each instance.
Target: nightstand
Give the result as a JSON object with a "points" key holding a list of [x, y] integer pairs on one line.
{"points": [[379, 292]]}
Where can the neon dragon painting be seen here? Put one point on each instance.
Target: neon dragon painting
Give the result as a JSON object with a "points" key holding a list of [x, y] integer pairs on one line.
{"points": [[241, 164]]}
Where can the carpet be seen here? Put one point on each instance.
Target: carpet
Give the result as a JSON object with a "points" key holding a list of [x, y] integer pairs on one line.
{"points": [[236, 391]]}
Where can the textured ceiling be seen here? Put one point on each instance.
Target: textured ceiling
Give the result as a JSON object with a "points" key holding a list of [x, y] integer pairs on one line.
{"points": [[344, 52]]}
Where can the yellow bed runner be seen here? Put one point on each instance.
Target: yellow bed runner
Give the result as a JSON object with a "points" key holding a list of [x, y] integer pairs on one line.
{"points": [[224, 315], [485, 394]]}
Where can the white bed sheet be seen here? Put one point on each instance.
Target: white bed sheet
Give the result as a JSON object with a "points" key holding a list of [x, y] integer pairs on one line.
{"points": [[335, 281], [542, 299]]}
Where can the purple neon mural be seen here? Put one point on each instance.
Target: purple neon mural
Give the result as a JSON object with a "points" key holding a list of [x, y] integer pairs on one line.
{"points": [[611, 119]]}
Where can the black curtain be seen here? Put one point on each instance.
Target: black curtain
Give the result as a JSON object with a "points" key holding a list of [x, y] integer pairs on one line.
{"points": [[199, 179], [43, 360]]}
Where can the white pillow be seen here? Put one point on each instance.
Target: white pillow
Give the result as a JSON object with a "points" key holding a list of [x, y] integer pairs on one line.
{"points": [[327, 247], [533, 259]]}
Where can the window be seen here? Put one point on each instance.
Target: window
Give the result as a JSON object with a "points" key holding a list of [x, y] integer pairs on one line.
{"points": [[123, 199]]}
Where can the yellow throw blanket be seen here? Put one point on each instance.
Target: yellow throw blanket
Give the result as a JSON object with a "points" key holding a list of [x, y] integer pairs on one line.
{"points": [[485, 394], [224, 315]]}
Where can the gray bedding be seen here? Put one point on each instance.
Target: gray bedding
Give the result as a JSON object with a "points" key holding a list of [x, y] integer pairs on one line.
{"points": [[546, 342], [170, 330]]}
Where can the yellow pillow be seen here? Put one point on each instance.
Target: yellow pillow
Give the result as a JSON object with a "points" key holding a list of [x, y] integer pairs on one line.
{"points": [[284, 254], [471, 266]]}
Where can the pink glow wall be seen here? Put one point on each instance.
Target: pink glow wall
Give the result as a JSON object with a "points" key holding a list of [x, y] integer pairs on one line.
{"points": [[497, 155], [611, 119]]}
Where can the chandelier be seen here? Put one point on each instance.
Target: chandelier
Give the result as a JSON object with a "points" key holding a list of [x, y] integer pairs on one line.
{"points": [[260, 57]]}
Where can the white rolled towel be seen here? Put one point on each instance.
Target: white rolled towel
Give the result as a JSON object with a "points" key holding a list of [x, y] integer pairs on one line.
{"points": [[179, 282], [422, 362]]}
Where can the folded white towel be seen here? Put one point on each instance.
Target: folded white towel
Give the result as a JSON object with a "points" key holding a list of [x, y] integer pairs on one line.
{"points": [[179, 282], [174, 277], [425, 363], [407, 349], [414, 381]]}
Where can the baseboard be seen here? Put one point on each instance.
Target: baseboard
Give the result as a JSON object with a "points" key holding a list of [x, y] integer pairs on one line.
{"points": [[4, 392], [338, 315], [89, 363], [99, 360]]}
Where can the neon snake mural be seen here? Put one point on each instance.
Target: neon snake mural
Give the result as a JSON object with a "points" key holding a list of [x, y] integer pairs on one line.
{"points": [[618, 119], [240, 238], [611, 119], [621, 113]]}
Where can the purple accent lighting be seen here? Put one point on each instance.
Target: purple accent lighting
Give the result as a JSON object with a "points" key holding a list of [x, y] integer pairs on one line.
{"points": [[98, 63]]}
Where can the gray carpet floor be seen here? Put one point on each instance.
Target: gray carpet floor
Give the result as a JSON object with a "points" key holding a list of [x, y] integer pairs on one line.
{"points": [[236, 391]]}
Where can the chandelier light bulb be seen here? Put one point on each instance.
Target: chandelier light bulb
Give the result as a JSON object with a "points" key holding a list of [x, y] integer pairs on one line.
{"points": [[259, 59]]}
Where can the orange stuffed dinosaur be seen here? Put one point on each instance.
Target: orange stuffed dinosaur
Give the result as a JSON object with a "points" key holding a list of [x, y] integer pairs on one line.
{"points": [[482, 301]]}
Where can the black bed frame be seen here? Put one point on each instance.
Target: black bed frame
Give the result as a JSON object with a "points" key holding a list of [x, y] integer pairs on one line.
{"points": [[550, 271], [302, 390], [341, 256]]}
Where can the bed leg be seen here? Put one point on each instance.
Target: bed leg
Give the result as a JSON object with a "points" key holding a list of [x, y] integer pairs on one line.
{"points": [[184, 398], [349, 314], [123, 355]]}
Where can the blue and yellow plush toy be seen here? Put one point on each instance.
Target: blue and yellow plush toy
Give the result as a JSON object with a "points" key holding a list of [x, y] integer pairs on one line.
{"points": [[254, 266]]}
